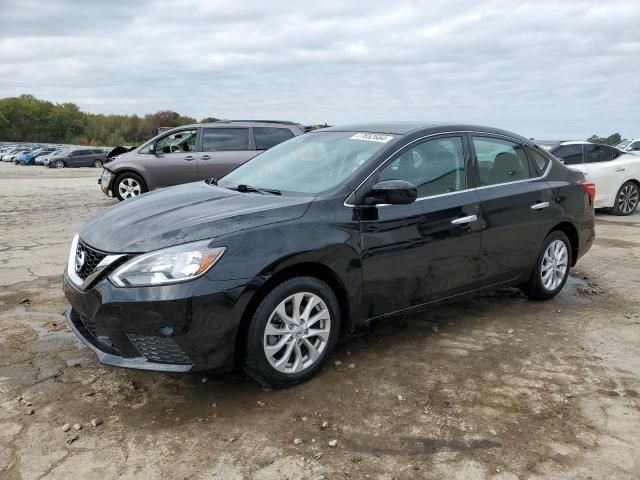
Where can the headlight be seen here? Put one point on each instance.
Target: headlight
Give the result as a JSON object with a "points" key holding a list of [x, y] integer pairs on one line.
{"points": [[171, 265], [106, 177]]}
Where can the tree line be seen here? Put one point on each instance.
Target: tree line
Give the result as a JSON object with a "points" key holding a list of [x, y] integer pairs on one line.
{"points": [[29, 119]]}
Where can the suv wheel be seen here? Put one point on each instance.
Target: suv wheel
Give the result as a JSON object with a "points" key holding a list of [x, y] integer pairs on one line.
{"points": [[129, 185], [97, 163], [551, 269], [292, 332], [626, 199], [59, 164]]}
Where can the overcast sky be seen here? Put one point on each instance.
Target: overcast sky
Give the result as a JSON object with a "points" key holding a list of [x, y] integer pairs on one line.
{"points": [[545, 69]]}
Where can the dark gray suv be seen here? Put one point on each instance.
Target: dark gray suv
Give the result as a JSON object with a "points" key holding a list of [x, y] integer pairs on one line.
{"points": [[88, 157], [191, 153]]}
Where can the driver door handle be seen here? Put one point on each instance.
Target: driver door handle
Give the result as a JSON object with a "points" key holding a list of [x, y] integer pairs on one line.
{"points": [[205, 157], [540, 206], [620, 169], [188, 158], [463, 220]]}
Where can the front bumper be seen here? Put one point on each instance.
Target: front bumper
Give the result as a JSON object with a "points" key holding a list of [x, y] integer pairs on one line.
{"points": [[180, 328]]}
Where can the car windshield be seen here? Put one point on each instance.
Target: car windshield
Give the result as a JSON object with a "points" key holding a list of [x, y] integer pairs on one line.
{"points": [[310, 163], [623, 144]]}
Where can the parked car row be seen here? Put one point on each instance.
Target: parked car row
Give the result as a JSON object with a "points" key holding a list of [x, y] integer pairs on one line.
{"points": [[55, 156]]}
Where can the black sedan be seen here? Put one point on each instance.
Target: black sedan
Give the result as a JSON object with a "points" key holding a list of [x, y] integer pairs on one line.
{"points": [[317, 237]]}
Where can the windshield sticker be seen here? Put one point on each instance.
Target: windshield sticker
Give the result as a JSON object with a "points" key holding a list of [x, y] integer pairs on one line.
{"points": [[372, 137]]}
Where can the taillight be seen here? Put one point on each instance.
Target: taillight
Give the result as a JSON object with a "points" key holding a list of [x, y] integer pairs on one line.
{"points": [[590, 188]]}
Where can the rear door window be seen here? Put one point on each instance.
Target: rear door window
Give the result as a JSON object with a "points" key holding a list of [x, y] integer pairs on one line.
{"points": [[225, 139], [597, 154], [267, 137], [569, 154], [500, 161]]}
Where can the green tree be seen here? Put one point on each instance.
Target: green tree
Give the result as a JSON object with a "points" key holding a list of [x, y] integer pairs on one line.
{"points": [[613, 139]]}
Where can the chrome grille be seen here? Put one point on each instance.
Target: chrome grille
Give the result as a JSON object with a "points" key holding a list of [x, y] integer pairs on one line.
{"points": [[159, 349], [91, 258]]}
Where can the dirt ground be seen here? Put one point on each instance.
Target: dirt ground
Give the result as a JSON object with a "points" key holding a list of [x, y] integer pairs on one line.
{"points": [[498, 387]]}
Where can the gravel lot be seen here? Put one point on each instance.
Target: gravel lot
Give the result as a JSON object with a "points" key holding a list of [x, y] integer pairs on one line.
{"points": [[498, 387]]}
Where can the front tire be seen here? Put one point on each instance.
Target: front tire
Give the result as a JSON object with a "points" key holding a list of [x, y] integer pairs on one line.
{"points": [[128, 185], [626, 199], [59, 164], [292, 332], [97, 164], [551, 269]]}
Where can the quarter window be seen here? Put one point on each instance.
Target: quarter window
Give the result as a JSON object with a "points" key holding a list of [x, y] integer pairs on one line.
{"points": [[267, 137], [500, 161], [597, 153], [225, 139], [435, 167], [569, 154], [540, 160]]}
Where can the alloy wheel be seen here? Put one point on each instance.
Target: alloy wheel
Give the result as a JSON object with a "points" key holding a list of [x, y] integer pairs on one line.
{"points": [[129, 187], [554, 265], [297, 332], [628, 198], [59, 164]]}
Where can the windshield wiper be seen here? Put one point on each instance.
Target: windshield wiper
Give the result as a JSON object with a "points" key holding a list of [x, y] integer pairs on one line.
{"points": [[262, 191], [212, 181]]}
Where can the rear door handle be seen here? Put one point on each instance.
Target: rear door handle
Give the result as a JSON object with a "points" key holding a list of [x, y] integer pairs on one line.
{"points": [[463, 220], [188, 158], [540, 206], [205, 157], [620, 169]]}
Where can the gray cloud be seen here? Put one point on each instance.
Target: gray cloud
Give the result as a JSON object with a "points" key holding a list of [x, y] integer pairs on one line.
{"points": [[541, 68]]}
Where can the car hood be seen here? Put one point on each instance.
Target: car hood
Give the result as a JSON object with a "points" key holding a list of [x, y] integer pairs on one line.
{"points": [[185, 213]]}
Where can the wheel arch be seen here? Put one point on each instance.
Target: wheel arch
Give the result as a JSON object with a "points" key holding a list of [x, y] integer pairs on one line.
{"points": [[304, 269], [572, 234]]}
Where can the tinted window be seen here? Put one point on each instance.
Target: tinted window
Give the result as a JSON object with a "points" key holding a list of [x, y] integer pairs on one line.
{"points": [[500, 161], [267, 137], [615, 153], [539, 160], [597, 153], [634, 146], [225, 139], [435, 167], [570, 154]]}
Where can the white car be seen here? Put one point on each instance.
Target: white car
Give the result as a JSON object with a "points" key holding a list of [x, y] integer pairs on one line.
{"points": [[631, 146], [615, 173]]}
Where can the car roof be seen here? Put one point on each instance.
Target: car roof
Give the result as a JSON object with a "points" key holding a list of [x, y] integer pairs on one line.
{"points": [[244, 123], [405, 128]]}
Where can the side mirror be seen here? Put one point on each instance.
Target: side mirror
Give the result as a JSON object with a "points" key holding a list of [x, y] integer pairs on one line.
{"points": [[393, 192]]}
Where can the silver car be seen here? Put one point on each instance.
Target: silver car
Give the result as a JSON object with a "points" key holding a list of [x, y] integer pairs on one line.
{"points": [[191, 153]]}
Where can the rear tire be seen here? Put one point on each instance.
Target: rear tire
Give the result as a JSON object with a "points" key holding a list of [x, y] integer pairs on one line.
{"points": [[626, 199], [128, 185], [305, 339], [552, 267]]}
